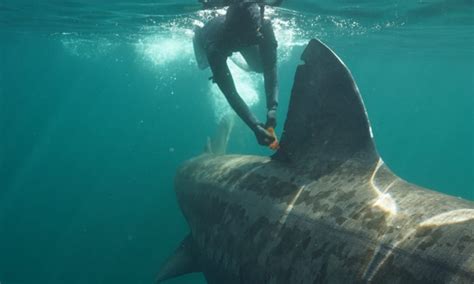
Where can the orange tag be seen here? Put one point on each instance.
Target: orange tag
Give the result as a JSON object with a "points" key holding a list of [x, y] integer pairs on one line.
{"points": [[275, 145]]}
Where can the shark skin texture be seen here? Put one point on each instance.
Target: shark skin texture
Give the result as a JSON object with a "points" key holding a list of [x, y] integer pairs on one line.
{"points": [[324, 208]]}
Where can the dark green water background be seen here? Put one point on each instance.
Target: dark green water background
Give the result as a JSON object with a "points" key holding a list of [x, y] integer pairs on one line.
{"points": [[101, 101]]}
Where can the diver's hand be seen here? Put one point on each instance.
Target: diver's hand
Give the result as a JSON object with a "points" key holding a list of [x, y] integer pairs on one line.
{"points": [[271, 119], [264, 137]]}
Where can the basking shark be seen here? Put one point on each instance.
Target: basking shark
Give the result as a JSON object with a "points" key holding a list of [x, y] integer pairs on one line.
{"points": [[324, 209]]}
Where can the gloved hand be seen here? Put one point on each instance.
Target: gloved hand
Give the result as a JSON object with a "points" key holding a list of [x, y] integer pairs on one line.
{"points": [[271, 119], [264, 137]]}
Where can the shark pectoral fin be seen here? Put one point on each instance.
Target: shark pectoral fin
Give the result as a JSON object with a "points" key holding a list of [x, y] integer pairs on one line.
{"points": [[326, 119], [182, 261], [208, 148], [218, 144]]}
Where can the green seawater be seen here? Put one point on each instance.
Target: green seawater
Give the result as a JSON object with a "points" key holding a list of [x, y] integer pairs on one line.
{"points": [[101, 101]]}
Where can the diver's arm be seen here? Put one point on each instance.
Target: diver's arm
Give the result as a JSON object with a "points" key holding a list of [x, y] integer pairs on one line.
{"points": [[223, 78], [268, 52]]}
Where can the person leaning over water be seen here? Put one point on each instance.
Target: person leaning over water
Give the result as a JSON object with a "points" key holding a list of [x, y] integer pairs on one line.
{"points": [[243, 29]]}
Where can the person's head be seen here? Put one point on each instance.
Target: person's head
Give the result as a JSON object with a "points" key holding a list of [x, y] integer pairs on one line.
{"points": [[244, 20]]}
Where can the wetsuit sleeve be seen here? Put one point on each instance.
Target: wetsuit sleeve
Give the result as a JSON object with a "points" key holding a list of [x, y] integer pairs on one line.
{"points": [[223, 78], [268, 53]]}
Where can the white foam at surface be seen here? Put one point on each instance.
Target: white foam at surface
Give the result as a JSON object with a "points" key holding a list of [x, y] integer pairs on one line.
{"points": [[170, 44], [161, 49]]}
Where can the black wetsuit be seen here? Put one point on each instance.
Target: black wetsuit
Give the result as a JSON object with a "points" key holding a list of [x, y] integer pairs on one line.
{"points": [[216, 44]]}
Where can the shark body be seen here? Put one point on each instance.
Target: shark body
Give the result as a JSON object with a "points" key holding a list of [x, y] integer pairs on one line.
{"points": [[324, 208]]}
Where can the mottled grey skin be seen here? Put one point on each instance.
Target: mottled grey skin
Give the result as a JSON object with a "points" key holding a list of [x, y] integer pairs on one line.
{"points": [[325, 208], [257, 222]]}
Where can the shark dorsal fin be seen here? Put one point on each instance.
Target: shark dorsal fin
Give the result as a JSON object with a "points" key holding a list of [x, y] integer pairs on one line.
{"points": [[326, 121], [182, 261]]}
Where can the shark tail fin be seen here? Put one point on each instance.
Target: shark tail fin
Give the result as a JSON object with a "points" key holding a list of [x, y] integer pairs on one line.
{"points": [[218, 144], [182, 261], [327, 122]]}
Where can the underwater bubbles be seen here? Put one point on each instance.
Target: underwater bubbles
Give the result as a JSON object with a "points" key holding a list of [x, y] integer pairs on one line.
{"points": [[164, 49], [86, 48], [171, 47]]}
